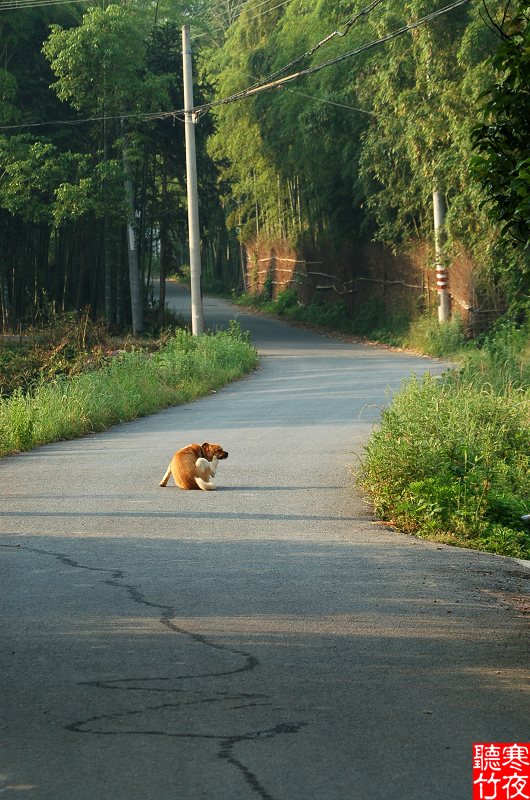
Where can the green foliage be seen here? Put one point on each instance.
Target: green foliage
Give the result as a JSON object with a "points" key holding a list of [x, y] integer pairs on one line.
{"points": [[359, 143], [8, 89], [426, 335], [371, 321], [354, 151], [286, 302], [290, 160], [31, 172], [62, 203], [21, 422], [235, 331], [451, 461], [92, 189], [109, 46], [502, 360], [333, 316], [64, 345], [348, 154], [502, 162], [130, 385]]}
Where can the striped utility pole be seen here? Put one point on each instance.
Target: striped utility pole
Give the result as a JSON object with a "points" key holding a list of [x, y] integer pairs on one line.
{"points": [[442, 275]]}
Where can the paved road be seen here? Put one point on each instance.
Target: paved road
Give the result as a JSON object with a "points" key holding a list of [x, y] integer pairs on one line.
{"points": [[268, 640]]}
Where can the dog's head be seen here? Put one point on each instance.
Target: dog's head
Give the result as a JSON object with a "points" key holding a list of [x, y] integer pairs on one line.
{"points": [[212, 451]]}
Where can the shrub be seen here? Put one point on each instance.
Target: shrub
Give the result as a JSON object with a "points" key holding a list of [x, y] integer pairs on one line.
{"points": [[503, 359], [428, 336], [287, 301], [453, 462]]}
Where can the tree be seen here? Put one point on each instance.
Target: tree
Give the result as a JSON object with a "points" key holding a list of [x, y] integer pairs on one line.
{"points": [[63, 199], [100, 69], [354, 151], [502, 160], [32, 165]]}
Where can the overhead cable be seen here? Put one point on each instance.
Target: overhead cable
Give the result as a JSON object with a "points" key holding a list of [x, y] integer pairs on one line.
{"points": [[266, 83], [270, 83], [16, 5]]}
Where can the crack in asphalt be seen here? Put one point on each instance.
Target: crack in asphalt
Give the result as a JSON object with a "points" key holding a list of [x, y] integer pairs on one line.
{"points": [[168, 612], [227, 743]]}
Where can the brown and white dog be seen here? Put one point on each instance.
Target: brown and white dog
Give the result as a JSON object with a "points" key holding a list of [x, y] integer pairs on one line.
{"points": [[193, 466]]}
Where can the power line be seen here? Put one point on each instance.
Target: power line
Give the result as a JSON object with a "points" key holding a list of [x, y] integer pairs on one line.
{"points": [[236, 7], [10, 5], [346, 25], [249, 19], [15, 5], [255, 16], [266, 10], [147, 116], [270, 83], [326, 100], [266, 83], [331, 102]]}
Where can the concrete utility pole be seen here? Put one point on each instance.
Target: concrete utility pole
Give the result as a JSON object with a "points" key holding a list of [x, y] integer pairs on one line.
{"points": [[197, 316], [442, 277], [135, 278]]}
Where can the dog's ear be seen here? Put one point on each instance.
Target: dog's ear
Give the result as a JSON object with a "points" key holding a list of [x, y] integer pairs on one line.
{"points": [[205, 445]]}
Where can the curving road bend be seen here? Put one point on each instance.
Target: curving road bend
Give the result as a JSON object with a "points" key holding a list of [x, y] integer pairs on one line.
{"points": [[268, 640]]}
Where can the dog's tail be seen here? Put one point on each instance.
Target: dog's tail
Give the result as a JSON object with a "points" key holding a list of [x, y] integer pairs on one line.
{"points": [[165, 479], [204, 485]]}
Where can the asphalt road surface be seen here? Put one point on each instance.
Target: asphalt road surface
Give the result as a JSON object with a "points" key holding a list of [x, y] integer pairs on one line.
{"points": [[267, 640]]}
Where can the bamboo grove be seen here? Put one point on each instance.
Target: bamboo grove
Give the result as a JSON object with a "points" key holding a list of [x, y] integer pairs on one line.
{"points": [[90, 158]]}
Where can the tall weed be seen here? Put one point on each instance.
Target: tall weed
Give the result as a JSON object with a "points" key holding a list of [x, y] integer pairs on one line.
{"points": [[131, 385], [452, 462], [502, 360], [426, 335]]}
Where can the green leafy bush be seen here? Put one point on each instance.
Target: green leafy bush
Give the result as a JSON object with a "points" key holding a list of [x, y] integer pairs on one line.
{"points": [[503, 358], [452, 462], [286, 302], [428, 336], [334, 316]]}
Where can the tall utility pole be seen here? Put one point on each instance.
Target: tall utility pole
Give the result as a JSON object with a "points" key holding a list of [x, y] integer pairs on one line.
{"points": [[135, 278], [197, 316], [442, 277]]}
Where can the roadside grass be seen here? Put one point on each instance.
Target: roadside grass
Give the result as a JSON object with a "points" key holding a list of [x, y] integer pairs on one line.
{"points": [[451, 458], [426, 335], [69, 343], [333, 316], [128, 386], [372, 322], [65, 344]]}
